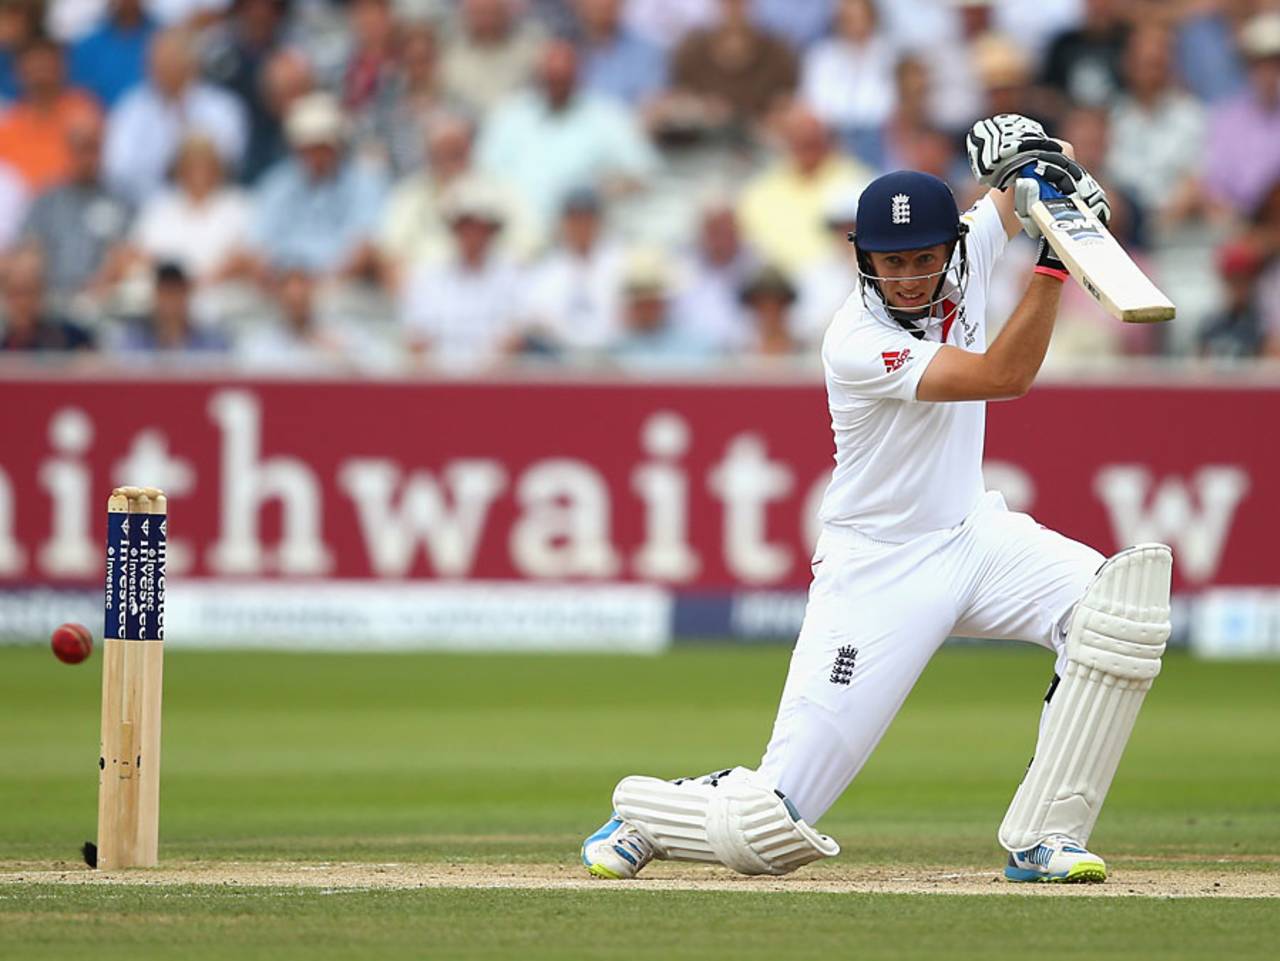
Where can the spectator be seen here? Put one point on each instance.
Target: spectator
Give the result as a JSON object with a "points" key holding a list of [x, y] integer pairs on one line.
{"points": [[935, 152], [557, 17], [149, 122], [465, 313], [168, 327], [1242, 156], [238, 55], [285, 78], [1006, 74], [317, 210], [769, 296], [940, 34], [923, 26], [1208, 60], [799, 22], [394, 124], [490, 54], [781, 208], [1268, 296], [847, 79], [301, 336], [191, 13], [573, 292], [911, 119], [112, 58], [919, 27], [75, 227], [557, 137], [67, 21], [371, 63], [1235, 331], [615, 61], [414, 231], [1157, 133], [169, 13], [15, 199], [1264, 234], [33, 130], [651, 338], [824, 286], [27, 325], [19, 23], [199, 224], [666, 22], [1088, 129], [708, 305], [730, 74], [1264, 229], [1083, 63], [1035, 25]]}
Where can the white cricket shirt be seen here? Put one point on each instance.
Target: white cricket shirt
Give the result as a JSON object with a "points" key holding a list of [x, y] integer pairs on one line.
{"points": [[906, 467]]}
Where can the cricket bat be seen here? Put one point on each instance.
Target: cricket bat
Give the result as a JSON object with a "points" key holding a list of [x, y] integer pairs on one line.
{"points": [[1097, 261]]}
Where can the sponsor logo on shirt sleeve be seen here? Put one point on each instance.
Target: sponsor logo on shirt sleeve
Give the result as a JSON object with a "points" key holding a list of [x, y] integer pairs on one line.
{"points": [[895, 359]]}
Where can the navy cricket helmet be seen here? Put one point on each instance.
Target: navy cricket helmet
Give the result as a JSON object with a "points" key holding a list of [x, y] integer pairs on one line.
{"points": [[906, 210], [909, 210]]}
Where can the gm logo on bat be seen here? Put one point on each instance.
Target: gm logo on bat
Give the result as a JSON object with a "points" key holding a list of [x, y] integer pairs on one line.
{"points": [[1069, 220]]}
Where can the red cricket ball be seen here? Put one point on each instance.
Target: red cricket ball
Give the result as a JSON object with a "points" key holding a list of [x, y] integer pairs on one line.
{"points": [[72, 643]]}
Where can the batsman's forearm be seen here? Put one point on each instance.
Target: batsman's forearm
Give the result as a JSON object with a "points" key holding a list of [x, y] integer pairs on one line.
{"points": [[1019, 349]]}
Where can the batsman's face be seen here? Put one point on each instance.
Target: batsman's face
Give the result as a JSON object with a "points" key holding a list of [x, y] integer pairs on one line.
{"points": [[905, 277]]}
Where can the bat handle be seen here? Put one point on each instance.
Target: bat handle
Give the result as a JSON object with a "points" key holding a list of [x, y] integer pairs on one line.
{"points": [[1047, 190]]}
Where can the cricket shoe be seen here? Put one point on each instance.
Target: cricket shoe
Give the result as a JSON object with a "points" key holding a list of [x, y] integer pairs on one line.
{"points": [[616, 851], [1059, 859]]}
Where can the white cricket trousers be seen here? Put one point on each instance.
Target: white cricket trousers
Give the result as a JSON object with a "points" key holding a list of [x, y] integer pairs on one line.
{"points": [[877, 613]]}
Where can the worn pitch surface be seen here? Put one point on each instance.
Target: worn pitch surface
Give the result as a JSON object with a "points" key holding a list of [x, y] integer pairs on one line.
{"points": [[1192, 882]]}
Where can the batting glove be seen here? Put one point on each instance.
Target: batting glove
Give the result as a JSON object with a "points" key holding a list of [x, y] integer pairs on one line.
{"points": [[994, 142], [1042, 174], [1094, 197], [1048, 261]]}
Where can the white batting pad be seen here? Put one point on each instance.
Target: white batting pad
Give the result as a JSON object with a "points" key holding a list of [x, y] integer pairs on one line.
{"points": [[1118, 632], [726, 819]]}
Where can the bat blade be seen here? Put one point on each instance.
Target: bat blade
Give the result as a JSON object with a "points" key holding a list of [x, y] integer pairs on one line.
{"points": [[1098, 262]]}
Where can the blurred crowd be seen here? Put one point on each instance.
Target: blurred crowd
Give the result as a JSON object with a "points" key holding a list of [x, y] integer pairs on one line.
{"points": [[388, 184]]}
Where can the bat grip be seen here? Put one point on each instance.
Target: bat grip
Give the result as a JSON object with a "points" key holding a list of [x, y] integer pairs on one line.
{"points": [[1047, 190]]}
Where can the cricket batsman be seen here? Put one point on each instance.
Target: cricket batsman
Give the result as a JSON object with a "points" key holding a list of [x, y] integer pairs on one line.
{"points": [[914, 549]]}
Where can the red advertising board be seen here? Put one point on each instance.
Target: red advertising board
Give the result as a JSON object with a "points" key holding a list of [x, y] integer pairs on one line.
{"points": [[705, 486]]}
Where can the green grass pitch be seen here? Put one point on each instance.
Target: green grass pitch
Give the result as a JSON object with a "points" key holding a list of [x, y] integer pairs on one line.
{"points": [[492, 761]]}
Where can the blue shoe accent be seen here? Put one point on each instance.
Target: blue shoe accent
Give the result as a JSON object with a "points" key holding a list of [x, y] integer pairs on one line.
{"points": [[1034, 864], [626, 855], [1012, 873], [1040, 854], [615, 851], [605, 830]]}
